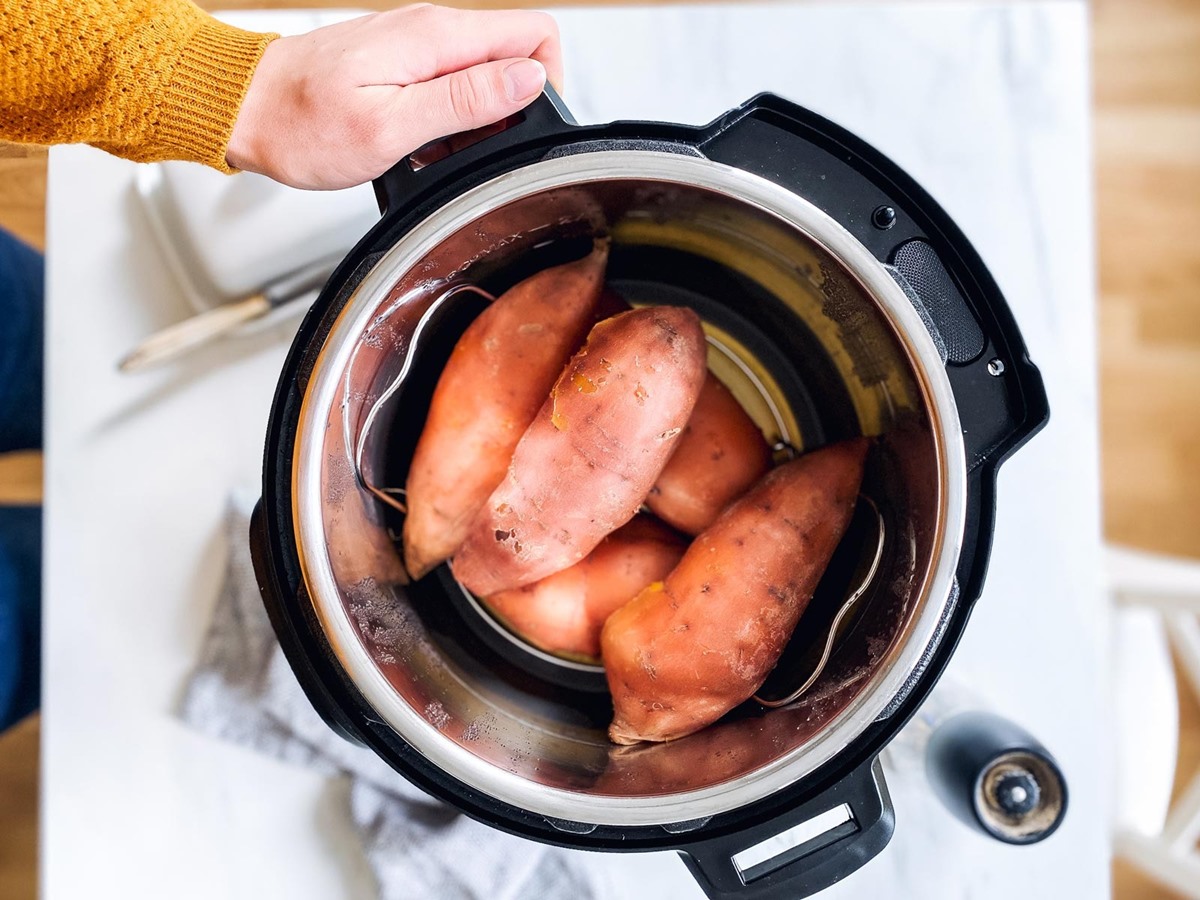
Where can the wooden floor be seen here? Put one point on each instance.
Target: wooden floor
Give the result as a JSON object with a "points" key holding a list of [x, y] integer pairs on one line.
{"points": [[1147, 129]]}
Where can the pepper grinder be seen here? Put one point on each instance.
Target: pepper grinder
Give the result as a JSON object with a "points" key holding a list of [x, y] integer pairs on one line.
{"points": [[990, 773], [996, 777]]}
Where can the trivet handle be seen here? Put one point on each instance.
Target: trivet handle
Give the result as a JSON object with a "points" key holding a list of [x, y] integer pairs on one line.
{"points": [[545, 118], [803, 851]]}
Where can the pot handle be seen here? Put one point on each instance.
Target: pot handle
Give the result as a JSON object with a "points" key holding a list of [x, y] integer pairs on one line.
{"points": [[803, 851], [544, 118], [1001, 397]]}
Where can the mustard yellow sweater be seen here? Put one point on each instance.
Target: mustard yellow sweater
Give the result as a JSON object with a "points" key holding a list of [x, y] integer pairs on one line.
{"points": [[144, 79]]}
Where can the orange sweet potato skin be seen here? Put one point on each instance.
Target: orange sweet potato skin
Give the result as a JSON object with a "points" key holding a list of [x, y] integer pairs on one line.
{"points": [[592, 453], [493, 385], [720, 454], [684, 653], [564, 612]]}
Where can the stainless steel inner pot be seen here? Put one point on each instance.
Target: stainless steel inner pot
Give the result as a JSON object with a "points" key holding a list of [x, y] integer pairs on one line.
{"points": [[542, 748]]}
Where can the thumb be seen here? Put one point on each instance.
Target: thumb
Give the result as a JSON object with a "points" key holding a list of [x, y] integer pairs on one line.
{"points": [[468, 99]]}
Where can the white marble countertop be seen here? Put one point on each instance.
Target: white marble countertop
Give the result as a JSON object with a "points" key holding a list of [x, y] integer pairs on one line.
{"points": [[986, 105]]}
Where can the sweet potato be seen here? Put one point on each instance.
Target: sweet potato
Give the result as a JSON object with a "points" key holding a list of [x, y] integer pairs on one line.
{"points": [[686, 651], [564, 612], [592, 453], [493, 385], [720, 454]]}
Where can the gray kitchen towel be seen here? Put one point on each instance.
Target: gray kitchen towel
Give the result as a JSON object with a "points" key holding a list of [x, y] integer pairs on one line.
{"points": [[242, 690]]}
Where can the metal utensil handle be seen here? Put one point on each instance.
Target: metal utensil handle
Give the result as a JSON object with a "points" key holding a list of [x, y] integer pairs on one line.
{"points": [[194, 332], [200, 329], [860, 804], [302, 281]]}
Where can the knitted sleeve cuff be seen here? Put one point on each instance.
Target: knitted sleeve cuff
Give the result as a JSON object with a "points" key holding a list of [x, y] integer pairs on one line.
{"points": [[197, 111]]}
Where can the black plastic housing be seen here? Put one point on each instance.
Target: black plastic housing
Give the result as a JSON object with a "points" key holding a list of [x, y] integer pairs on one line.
{"points": [[850, 181]]}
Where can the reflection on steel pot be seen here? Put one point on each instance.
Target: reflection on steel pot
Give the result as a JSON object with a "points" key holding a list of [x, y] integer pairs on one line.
{"points": [[824, 324]]}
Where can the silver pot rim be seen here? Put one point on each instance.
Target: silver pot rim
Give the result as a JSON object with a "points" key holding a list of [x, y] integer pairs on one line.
{"points": [[909, 652]]}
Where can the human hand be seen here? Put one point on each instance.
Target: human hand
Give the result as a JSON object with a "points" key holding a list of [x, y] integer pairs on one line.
{"points": [[342, 104]]}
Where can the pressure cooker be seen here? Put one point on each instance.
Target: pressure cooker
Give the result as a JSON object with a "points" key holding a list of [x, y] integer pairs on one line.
{"points": [[839, 300]]}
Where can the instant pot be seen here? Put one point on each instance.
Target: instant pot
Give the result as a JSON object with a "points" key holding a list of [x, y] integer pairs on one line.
{"points": [[838, 300]]}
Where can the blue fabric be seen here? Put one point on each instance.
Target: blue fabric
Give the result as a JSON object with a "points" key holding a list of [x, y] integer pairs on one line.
{"points": [[21, 313], [21, 335], [20, 612]]}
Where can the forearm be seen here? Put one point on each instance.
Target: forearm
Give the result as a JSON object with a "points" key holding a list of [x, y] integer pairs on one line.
{"points": [[144, 79]]}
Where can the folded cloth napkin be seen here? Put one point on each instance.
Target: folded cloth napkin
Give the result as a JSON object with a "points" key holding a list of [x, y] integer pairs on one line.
{"points": [[243, 690]]}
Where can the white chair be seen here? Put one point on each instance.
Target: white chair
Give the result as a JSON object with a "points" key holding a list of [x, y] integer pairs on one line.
{"points": [[1156, 608]]}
